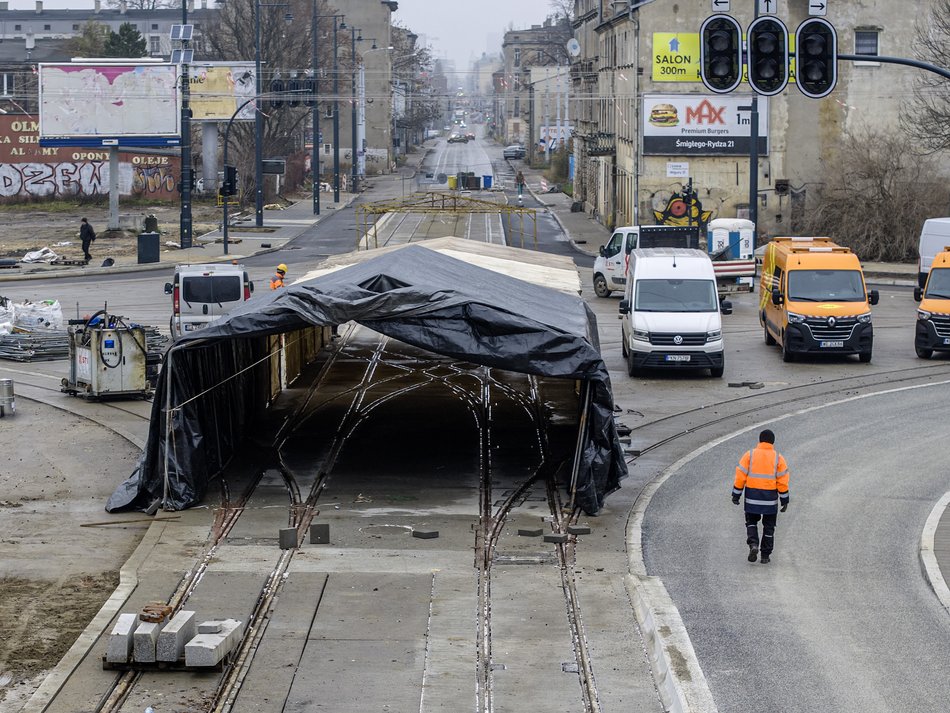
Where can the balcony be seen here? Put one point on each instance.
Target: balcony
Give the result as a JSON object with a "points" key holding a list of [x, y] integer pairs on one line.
{"points": [[599, 143]]}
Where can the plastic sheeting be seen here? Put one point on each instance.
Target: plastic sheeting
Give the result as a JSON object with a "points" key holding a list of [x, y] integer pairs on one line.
{"points": [[416, 295]]}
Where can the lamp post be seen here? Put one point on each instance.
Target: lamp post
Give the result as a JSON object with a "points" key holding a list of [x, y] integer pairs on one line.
{"points": [[315, 115], [258, 117], [354, 177], [336, 112]]}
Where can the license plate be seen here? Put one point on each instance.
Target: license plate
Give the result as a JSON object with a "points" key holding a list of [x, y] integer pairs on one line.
{"points": [[677, 357], [190, 327], [831, 345]]}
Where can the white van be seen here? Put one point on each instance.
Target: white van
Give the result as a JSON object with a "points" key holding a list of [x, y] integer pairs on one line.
{"points": [[934, 238], [202, 293], [670, 314]]}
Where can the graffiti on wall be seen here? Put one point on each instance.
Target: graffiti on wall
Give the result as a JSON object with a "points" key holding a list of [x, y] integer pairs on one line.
{"points": [[683, 209], [29, 171]]}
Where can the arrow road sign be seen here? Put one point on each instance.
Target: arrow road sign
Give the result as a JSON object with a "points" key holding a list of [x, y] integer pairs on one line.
{"points": [[818, 7], [770, 7], [720, 5]]}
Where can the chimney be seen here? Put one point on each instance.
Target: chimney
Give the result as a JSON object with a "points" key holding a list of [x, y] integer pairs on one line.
{"points": [[39, 7], [98, 5], [204, 4], [4, 6], [123, 7]]}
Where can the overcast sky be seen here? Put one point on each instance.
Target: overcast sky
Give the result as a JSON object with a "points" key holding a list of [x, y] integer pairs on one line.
{"points": [[457, 30]]}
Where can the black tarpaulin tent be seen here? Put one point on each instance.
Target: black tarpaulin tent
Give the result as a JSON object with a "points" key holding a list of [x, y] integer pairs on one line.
{"points": [[414, 294]]}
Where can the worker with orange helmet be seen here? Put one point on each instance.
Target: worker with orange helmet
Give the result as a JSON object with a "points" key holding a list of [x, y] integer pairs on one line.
{"points": [[277, 281]]}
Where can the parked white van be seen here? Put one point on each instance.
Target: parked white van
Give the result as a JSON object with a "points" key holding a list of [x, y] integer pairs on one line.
{"points": [[202, 293], [934, 238], [670, 314]]}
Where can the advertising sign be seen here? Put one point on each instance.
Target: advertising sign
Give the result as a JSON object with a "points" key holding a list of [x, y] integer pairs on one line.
{"points": [[701, 125], [549, 137], [219, 88], [676, 57], [108, 104]]}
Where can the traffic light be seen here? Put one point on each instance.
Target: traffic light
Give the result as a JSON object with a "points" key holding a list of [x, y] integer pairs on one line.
{"points": [[295, 88], [816, 58], [311, 87], [720, 53], [276, 92], [768, 55], [229, 184]]}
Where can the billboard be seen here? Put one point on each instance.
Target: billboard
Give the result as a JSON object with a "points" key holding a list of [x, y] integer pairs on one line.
{"points": [[217, 89], [701, 125], [85, 104], [29, 171]]}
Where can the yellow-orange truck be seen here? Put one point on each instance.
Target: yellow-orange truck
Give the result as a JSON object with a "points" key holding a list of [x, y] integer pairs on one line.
{"points": [[933, 315], [813, 299]]}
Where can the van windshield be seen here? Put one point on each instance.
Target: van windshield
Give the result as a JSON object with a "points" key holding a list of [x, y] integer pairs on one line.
{"points": [[938, 285], [211, 288], [825, 286], [676, 296]]}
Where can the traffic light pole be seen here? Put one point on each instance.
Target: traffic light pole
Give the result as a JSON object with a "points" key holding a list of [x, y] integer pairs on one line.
{"points": [[754, 169]]}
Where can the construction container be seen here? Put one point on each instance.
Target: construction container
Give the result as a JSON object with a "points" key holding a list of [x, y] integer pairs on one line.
{"points": [[7, 400]]}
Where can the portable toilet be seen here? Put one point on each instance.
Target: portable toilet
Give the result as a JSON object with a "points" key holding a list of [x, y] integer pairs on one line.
{"points": [[730, 238]]}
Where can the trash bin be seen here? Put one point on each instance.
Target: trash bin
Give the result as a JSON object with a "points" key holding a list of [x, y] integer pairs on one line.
{"points": [[151, 224], [473, 183], [148, 247], [486, 182], [453, 182]]}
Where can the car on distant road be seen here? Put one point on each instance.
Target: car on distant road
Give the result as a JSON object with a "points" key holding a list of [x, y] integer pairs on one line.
{"points": [[458, 139], [513, 151], [470, 136]]}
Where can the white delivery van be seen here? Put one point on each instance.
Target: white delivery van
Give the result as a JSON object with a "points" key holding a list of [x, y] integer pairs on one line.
{"points": [[934, 238], [670, 314], [202, 293]]}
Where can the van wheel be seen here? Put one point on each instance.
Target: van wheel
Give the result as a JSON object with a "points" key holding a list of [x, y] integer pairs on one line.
{"points": [[632, 368], [924, 353], [623, 345], [787, 355], [769, 339], [717, 371], [600, 286], [171, 328], [865, 357]]}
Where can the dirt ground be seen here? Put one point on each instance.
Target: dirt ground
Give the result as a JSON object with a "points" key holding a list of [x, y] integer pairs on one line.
{"points": [[56, 225], [59, 562]]}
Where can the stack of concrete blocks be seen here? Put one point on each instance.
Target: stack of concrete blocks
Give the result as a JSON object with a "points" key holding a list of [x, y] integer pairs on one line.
{"points": [[172, 639], [213, 642], [134, 641]]}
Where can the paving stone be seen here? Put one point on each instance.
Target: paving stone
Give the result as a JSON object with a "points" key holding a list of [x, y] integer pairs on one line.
{"points": [[557, 538], [119, 648], [320, 533], [209, 649], [209, 627], [578, 530], [288, 538], [144, 640], [425, 534], [171, 640], [532, 532]]}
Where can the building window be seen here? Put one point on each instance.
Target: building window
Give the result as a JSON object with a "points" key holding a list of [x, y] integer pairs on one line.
{"points": [[75, 28], [47, 28], [155, 44], [866, 42], [6, 84], [517, 56], [17, 28], [154, 25]]}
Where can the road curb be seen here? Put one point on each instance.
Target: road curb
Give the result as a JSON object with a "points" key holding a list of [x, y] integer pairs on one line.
{"points": [[928, 558]]}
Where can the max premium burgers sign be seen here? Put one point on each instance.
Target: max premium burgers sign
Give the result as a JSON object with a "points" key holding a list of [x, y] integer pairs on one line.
{"points": [[701, 125]]}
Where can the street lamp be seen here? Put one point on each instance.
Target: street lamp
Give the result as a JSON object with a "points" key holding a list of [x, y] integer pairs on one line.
{"points": [[336, 111], [353, 40], [258, 117], [315, 115]]}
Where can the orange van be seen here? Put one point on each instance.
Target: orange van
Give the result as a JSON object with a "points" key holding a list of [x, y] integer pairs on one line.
{"points": [[813, 299], [933, 315]]}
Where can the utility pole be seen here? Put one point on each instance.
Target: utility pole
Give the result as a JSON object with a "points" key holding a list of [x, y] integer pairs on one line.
{"points": [[315, 112], [336, 116], [185, 220]]}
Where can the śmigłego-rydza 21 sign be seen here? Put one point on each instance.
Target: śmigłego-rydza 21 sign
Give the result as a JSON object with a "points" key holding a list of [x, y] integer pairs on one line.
{"points": [[701, 124]]}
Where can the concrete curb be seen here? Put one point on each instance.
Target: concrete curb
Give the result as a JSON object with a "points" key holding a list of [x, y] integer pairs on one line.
{"points": [[928, 558], [128, 581]]}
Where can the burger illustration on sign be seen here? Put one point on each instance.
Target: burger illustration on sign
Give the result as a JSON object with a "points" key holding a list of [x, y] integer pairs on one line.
{"points": [[664, 115]]}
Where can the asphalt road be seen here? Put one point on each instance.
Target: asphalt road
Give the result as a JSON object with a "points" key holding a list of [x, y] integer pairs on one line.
{"points": [[842, 618]]}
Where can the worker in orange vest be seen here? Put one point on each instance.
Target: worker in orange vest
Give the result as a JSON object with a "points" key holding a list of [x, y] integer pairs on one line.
{"points": [[762, 474], [277, 281]]}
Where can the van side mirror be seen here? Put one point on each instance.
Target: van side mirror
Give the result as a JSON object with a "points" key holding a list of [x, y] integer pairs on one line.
{"points": [[918, 294], [250, 286], [873, 297], [168, 288], [624, 307], [725, 307], [777, 298], [602, 251]]}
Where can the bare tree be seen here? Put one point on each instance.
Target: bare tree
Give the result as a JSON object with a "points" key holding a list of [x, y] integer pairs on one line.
{"points": [[928, 118], [876, 196], [144, 4]]}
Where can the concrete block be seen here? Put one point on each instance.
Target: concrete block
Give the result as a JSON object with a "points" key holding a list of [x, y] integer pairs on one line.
{"points": [[209, 627], [288, 538], [320, 533], [210, 649], [533, 532], [171, 640], [119, 648], [425, 534], [578, 530], [144, 641], [557, 538]]}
